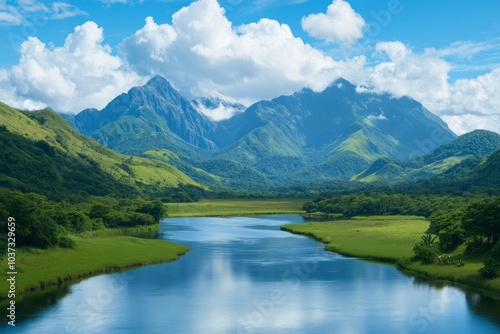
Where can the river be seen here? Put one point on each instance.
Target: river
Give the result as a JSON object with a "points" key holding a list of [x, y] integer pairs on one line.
{"points": [[244, 275]]}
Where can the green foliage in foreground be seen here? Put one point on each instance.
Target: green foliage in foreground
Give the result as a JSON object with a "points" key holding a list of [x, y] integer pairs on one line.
{"points": [[39, 268], [477, 225], [41, 153]]}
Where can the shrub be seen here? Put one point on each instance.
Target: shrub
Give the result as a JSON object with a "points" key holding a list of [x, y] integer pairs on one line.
{"points": [[476, 246], [425, 253], [491, 268], [66, 242]]}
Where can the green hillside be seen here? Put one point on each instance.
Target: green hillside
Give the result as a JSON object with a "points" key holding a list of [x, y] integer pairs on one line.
{"points": [[487, 173], [452, 160], [41, 152]]}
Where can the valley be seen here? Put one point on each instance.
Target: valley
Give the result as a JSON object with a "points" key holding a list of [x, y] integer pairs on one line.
{"points": [[379, 176]]}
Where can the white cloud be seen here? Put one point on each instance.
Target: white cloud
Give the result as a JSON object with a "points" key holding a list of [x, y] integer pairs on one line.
{"points": [[380, 117], [219, 112], [202, 52], [465, 49], [10, 17], [62, 10], [111, 2], [480, 95], [78, 75], [340, 24], [424, 76], [464, 123], [24, 10], [466, 104]]}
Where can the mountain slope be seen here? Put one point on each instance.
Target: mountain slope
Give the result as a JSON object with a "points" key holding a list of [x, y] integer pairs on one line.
{"points": [[456, 158], [156, 108], [337, 125], [487, 173], [43, 144]]}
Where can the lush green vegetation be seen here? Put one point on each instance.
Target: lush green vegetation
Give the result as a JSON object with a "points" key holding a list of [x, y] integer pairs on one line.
{"points": [[36, 166], [379, 203], [471, 147], [462, 229], [42, 153], [367, 237], [235, 207], [477, 226], [39, 268], [43, 223], [392, 239]]}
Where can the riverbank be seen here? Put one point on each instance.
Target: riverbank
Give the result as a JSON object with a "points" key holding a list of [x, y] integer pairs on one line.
{"points": [[390, 240], [235, 207], [40, 268]]}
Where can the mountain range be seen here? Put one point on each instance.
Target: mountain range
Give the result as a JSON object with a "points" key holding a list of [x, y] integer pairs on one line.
{"points": [[309, 137], [305, 137]]}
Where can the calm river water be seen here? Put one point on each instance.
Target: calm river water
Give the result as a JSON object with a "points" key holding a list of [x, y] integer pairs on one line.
{"points": [[244, 275]]}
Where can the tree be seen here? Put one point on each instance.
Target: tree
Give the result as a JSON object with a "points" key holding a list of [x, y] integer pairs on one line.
{"points": [[482, 219]]}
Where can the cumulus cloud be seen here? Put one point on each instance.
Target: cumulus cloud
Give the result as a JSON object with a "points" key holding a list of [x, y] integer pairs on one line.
{"points": [[202, 52], [340, 24], [424, 76], [466, 104], [78, 75]]}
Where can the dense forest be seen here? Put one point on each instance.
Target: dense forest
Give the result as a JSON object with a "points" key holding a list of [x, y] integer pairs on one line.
{"points": [[43, 223]]}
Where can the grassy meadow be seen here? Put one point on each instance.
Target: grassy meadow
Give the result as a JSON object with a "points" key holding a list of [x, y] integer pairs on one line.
{"points": [[37, 268], [235, 207], [379, 238], [391, 239]]}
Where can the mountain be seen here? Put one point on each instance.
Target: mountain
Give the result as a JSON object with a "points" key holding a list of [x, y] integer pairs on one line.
{"points": [[40, 152], [305, 137], [335, 133], [154, 116], [454, 160]]}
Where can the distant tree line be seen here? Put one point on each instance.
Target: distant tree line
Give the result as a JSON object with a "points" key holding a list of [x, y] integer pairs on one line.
{"points": [[379, 203]]}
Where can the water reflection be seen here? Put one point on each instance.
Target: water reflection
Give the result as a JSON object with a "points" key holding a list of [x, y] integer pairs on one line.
{"points": [[484, 305], [244, 275]]}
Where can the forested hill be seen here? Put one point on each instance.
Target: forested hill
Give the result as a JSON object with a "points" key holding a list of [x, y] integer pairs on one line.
{"points": [[451, 160], [487, 173], [40, 152]]}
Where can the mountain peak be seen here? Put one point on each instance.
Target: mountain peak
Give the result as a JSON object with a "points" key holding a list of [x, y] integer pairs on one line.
{"points": [[158, 81], [342, 83]]}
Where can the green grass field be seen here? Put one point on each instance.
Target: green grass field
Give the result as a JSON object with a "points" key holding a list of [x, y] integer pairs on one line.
{"points": [[390, 239], [381, 238], [235, 207], [90, 256]]}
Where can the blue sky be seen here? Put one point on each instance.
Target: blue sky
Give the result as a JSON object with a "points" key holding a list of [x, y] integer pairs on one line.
{"points": [[71, 55]]}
